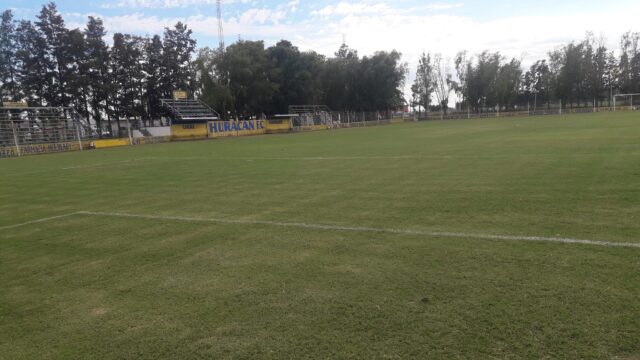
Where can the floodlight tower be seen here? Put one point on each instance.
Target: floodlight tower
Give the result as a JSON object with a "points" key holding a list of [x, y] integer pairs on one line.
{"points": [[220, 30]]}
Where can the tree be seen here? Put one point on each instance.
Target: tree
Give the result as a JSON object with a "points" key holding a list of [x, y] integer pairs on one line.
{"points": [[508, 83], [481, 79], [630, 62], [340, 78], [422, 87], [127, 75], [464, 68], [153, 71], [8, 60], [611, 75], [97, 73], [442, 82], [598, 74], [35, 67], [245, 67], [75, 72], [381, 80], [212, 85], [51, 26], [296, 74], [178, 71], [536, 83]]}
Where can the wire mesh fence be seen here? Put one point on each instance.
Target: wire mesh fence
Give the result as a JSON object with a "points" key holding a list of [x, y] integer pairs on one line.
{"points": [[42, 129], [344, 119]]}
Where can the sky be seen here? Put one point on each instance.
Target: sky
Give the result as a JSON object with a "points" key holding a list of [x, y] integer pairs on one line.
{"points": [[525, 29]]}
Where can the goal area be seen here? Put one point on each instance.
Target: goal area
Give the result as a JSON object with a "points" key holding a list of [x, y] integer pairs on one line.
{"points": [[626, 101]]}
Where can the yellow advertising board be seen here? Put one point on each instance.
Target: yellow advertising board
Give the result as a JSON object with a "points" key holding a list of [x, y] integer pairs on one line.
{"points": [[278, 126], [14, 104], [189, 131], [179, 95], [151, 140], [109, 143], [33, 149]]}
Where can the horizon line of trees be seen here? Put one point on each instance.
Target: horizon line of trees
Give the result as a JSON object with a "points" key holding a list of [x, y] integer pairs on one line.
{"points": [[583, 73], [44, 63]]}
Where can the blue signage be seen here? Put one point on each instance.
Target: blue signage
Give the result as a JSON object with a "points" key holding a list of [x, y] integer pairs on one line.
{"points": [[229, 126]]}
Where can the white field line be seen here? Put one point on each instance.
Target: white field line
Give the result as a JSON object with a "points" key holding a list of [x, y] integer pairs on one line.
{"points": [[38, 221], [369, 229]]}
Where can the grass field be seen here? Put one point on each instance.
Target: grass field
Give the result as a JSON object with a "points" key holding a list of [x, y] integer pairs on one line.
{"points": [[264, 281]]}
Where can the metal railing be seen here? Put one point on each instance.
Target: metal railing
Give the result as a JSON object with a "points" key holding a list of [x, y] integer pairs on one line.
{"points": [[28, 129]]}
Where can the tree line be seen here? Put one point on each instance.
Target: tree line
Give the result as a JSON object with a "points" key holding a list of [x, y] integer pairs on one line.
{"points": [[44, 63], [583, 73], [250, 78]]}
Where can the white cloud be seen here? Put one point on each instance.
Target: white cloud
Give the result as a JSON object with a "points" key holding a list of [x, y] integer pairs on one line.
{"points": [[444, 6], [347, 8], [261, 16], [528, 38], [156, 4], [293, 5], [373, 26]]}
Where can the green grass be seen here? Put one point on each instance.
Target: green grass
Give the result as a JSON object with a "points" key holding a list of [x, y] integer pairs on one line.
{"points": [[109, 287]]}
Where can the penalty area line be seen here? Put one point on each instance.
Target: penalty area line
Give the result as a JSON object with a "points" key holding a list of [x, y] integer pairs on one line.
{"points": [[514, 238], [37, 221]]}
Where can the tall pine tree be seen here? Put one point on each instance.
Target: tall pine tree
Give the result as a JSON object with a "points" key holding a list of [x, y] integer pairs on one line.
{"points": [[51, 25], [178, 49], [153, 71], [35, 67], [8, 60], [97, 60]]}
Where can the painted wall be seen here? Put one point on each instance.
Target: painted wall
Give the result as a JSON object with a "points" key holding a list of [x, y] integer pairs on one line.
{"points": [[110, 143], [278, 126], [189, 131]]}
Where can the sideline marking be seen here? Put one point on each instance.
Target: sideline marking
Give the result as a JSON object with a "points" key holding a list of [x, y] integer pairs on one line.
{"points": [[39, 221], [368, 229]]}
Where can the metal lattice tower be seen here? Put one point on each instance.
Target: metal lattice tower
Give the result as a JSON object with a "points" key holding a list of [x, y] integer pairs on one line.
{"points": [[220, 30]]}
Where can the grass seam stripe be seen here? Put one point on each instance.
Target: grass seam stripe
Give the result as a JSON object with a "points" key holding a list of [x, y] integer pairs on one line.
{"points": [[31, 222], [369, 229], [103, 164]]}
